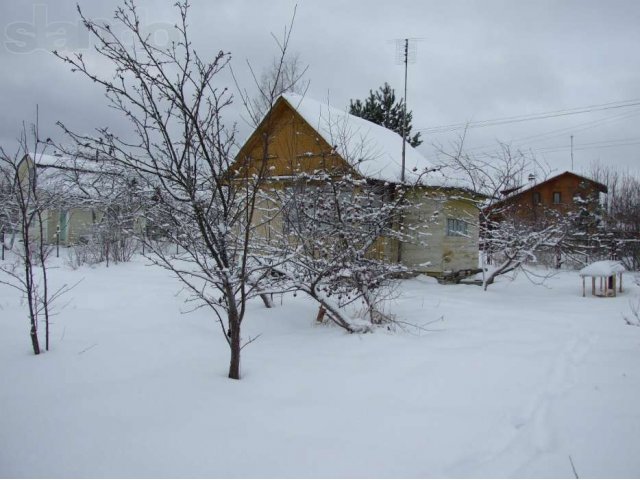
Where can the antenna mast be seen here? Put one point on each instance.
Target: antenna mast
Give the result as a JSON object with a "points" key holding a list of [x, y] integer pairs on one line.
{"points": [[404, 112], [405, 53], [572, 153]]}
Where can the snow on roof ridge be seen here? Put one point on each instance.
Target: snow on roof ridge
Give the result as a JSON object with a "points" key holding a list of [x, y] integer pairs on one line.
{"points": [[375, 151]]}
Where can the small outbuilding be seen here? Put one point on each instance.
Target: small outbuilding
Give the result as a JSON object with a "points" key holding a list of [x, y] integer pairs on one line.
{"points": [[609, 274]]}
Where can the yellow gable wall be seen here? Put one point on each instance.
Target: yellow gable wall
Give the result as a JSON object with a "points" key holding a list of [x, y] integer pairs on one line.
{"points": [[293, 146]]}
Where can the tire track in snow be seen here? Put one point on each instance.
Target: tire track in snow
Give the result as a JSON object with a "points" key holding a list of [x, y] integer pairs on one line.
{"points": [[524, 437]]}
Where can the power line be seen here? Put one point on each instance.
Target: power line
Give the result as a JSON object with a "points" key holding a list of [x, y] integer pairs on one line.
{"points": [[579, 127], [622, 142], [530, 117], [602, 144]]}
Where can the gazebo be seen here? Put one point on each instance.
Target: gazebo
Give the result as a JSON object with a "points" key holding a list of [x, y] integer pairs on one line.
{"points": [[608, 272]]}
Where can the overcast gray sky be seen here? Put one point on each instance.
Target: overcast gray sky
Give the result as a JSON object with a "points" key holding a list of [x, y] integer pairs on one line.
{"points": [[476, 60]]}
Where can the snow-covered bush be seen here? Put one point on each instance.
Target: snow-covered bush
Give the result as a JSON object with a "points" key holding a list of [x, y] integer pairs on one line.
{"points": [[329, 239]]}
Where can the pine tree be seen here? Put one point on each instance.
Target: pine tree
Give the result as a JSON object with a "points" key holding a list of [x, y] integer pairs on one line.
{"points": [[382, 108]]}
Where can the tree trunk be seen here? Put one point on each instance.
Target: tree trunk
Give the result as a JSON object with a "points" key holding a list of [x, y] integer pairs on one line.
{"points": [[334, 314], [30, 289], [34, 339], [267, 300], [234, 364], [506, 267], [45, 285], [46, 335], [234, 342]]}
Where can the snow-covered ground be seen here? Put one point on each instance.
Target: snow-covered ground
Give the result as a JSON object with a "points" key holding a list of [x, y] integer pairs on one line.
{"points": [[515, 381]]}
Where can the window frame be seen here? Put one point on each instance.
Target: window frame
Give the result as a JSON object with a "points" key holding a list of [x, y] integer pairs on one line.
{"points": [[457, 228]]}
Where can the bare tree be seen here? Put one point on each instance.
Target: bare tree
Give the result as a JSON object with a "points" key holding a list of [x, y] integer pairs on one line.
{"points": [[507, 241], [181, 154], [331, 228], [284, 74], [23, 214], [327, 228], [620, 232], [514, 243]]}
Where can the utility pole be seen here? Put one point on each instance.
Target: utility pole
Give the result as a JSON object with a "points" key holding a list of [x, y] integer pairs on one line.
{"points": [[404, 110], [572, 153], [405, 54]]}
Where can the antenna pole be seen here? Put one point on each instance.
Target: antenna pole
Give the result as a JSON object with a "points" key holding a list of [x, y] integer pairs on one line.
{"points": [[404, 110], [572, 153]]}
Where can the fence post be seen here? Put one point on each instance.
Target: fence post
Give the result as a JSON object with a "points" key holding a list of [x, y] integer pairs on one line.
{"points": [[58, 241]]}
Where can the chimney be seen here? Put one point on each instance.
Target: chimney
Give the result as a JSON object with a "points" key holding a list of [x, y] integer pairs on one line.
{"points": [[532, 178]]}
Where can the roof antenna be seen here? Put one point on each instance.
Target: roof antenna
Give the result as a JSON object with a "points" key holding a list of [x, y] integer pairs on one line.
{"points": [[406, 53], [572, 153]]}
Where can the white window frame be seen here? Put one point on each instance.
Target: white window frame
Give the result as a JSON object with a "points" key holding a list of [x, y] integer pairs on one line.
{"points": [[457, 228]]}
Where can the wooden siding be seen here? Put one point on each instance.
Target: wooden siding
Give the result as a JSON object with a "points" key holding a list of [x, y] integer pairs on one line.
{"points": [[568, 185], [293, 146]]}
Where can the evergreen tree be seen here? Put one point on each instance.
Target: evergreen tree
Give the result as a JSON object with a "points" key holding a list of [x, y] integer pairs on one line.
{"points": [[382, 108]]}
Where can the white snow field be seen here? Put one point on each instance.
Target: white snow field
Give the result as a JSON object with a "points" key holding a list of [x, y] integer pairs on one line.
{"points": [[518, 381]]}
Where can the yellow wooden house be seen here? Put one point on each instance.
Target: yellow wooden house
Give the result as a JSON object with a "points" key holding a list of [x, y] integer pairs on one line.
{"points": [[302, 135]]}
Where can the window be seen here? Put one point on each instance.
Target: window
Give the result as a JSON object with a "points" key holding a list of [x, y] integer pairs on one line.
{"points": [[557, 198], [456, 228], [536, 198]]}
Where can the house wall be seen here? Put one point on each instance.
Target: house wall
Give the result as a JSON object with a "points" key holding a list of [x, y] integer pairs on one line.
{"points": [[428, 220], [79, 222], [568, 185], [461, 252]]}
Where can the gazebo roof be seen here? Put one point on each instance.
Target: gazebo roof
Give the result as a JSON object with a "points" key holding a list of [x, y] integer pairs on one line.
{"points": [[603, 268]]}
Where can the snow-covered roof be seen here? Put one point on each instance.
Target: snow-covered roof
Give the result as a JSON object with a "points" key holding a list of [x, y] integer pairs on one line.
{"points": [[64, 162], [375, 151], [67, 176], [603, 268]]}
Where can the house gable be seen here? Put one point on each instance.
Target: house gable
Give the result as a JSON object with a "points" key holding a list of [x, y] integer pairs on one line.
{"points": [[291, 146], [306, 128]]}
